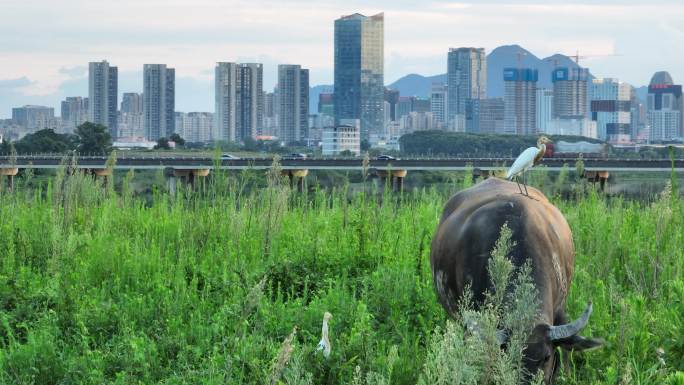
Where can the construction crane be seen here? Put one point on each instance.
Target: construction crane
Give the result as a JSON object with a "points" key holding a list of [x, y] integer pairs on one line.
{"points": [[577, 56]]}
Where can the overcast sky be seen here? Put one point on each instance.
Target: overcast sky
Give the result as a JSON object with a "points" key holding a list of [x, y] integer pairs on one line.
{"points": [[45, 45]]}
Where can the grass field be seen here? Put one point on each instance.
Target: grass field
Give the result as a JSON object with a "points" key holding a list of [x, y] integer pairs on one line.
{"points": [[98, 286]]}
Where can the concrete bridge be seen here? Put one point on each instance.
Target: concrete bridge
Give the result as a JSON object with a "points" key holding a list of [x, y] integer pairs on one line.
{"points": [[191, 167]]}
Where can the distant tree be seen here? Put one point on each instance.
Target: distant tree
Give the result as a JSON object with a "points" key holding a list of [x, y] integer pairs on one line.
{"points": [[93, 138], [162, 144], [46, 141], [5, 147], [250, 144], [177, 139], [365, 145], [468, 144]]}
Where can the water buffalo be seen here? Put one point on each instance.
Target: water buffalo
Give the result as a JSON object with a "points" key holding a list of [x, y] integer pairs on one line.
{"points": [[467, 232]]}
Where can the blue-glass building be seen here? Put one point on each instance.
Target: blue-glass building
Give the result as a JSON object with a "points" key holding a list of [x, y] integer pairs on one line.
{"points": [[359, 71]]}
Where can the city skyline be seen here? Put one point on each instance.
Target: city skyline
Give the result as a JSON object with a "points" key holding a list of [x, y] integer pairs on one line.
{"points": [[192, 38]]}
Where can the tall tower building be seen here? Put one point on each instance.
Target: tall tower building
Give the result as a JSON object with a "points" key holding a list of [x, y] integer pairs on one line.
{"points": [[239, 97], [293, 102], [520, 100], [359, 71], [74, 113], [466, 81], [131, 117], [33, 117], [664, 106], [570, 93], [611, 109], [392, 99], [132, 103], [103, 83], [544, 118], [438, 105], [159, 90]]}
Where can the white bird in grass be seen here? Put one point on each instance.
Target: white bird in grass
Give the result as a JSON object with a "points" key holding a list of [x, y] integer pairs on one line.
{"points": [[324, 345], [526, 160]]}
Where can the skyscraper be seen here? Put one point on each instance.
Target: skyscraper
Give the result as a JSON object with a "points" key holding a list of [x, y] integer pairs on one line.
{"points": [[438, 104], [194, 127], [466, 80], [33, 117], [610, 109], [293, 102], [132, 103], [392, 98], [359, 71], [74, 113], [239, 97], [520, 100], [159, 90], [103, 94], [490, 118], [544, 109], [570, 93], [326, 105], [131, 117], [664, 104]]}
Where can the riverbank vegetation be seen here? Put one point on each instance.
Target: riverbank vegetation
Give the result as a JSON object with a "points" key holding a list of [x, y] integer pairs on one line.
{"points": [[228, 285]]}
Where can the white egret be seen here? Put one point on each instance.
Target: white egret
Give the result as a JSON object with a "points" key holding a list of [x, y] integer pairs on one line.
{"points": [[324, 345], [526, 160]]}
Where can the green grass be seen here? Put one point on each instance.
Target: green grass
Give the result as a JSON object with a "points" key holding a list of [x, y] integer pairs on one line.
{"points": [[104, 287]]}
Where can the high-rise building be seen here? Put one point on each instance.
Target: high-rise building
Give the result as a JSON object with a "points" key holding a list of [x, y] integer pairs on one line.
{"points": [[270, 114], [326, 105], [665, 108], [544, 110], [639, 118], [194, 127], [132, 103], [293, 103], [103, 81], [34, 117], [570, 93], [404, 106], [270, 105], [488, 115], [239, 112], [466, 81], [438, 105], [610, 109], [343, 137], [131, 117], [421, 104], [74, 113], [520, 100], [392, 98], [159, 90], [359, 71]]}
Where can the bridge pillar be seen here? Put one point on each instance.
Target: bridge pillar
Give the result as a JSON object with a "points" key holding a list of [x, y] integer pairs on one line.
{"points": [[189, 176], [396, 178], [399, 176], [296, 177], [10, 173], [104, 173], [597, 176]]}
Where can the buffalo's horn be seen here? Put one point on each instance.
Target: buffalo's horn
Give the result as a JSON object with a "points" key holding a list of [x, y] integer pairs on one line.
{"points": [[561, 332]]}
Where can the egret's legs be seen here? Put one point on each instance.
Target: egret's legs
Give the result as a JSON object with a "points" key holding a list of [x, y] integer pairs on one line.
{"points": [[518, 183], [525, 184]]}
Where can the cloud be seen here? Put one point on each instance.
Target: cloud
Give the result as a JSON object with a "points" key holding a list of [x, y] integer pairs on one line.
{"points": [[74, 72], [14, 83]]}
